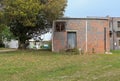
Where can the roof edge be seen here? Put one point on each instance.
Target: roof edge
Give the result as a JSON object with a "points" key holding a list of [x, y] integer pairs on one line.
{"points": [[88, 18]]}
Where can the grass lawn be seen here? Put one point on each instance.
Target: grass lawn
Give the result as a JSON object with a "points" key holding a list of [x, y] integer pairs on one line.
{"points": [[3, 48], [47, 66]]}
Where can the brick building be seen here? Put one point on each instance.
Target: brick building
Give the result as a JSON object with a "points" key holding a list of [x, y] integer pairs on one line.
{"points": [[115, 33], [86, 34]]}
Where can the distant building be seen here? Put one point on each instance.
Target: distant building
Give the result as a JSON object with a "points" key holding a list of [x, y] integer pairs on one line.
{"points": [[33, 44], [11, 44], [115, 33]]}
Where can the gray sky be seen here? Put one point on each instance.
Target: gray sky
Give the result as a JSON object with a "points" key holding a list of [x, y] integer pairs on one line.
{"points": [[83, 8]]}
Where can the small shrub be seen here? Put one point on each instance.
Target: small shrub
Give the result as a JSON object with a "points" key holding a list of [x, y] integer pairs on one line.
{"points": [[74, 51]]}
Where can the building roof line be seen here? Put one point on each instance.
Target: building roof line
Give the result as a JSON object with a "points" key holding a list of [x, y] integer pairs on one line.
{"points": [[84, 18]]}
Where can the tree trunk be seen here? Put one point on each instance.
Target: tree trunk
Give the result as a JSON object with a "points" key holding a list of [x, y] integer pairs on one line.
{"points": [[22, 43]]}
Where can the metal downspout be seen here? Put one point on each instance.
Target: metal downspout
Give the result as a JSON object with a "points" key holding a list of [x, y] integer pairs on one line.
{"points": [[86, 36], [113, 41]]}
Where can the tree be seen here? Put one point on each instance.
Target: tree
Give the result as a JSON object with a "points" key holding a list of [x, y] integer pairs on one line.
{"points": [[5, 34], [30, 18], [1, 25], [1, 28], [54, 9]]}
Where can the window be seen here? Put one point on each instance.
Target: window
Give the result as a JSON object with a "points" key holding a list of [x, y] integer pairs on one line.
{"points": [[118, 33], [119, 42], [118, 24], [110, 33], [60, 26]]}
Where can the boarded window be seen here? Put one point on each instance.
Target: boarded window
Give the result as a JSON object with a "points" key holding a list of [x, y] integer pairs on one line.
{"points": [[118, 24], [118, 33], [119, 42], [60, 26]]}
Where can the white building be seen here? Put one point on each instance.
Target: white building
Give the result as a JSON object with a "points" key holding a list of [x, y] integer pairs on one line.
{"points": [[11, 44]]}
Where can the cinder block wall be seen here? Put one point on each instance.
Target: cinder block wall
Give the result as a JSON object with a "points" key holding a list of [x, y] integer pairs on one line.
{"points": [[95, 35]]}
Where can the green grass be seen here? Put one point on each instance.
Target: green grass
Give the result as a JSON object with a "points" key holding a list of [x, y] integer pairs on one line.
{"points": [[47, 66], [3, 48]]}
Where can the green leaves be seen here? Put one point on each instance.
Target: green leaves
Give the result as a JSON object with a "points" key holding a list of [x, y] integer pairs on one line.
{"points": [[55, 9], [5, 33], [23, 10]]}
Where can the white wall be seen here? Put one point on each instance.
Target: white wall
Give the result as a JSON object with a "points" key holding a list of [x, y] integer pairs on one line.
{"points": [[11, 44]]}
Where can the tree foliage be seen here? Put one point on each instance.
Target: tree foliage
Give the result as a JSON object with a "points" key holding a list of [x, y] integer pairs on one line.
{"points": [[29, 18], [6, 34], [24, 11]]}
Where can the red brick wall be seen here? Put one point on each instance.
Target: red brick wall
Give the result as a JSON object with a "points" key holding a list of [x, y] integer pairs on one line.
{"points": [[59, 41], [95, 35]]}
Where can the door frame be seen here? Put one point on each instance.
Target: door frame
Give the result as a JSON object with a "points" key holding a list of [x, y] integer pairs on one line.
{"points": [[75, 38]]}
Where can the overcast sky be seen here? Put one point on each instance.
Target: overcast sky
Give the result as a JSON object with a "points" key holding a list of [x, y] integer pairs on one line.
{"points": [[83, 8]]}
